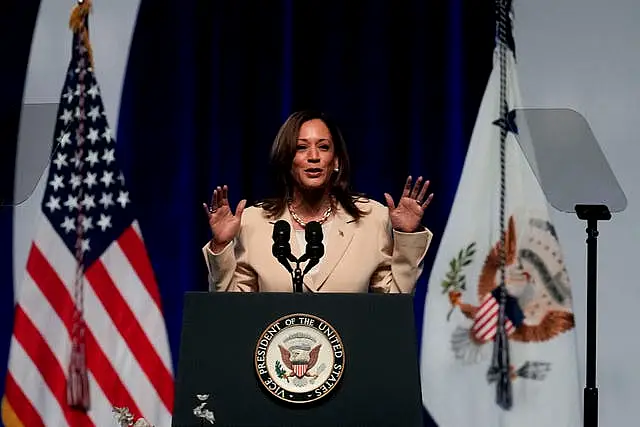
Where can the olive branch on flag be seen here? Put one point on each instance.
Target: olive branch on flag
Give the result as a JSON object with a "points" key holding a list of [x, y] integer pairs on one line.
{"points": [[455, 281]]}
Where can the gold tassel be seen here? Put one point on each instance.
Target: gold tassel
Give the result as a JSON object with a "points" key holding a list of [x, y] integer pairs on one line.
{"points": [[77, 24]]}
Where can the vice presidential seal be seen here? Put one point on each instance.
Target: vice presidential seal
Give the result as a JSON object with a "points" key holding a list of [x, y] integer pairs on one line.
{"points": [[299, 358]]}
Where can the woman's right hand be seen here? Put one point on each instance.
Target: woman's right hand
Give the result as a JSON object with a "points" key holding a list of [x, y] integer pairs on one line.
{"points": [[224, 224]]}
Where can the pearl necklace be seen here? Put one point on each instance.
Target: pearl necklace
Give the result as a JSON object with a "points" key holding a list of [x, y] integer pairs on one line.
{"points": [[322, 220]]}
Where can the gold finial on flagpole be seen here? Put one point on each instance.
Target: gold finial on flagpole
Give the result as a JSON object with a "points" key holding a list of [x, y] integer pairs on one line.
{"points": [[78, 22]]}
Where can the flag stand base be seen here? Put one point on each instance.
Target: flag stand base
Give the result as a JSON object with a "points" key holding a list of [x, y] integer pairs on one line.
{"points": [[592, 214]]}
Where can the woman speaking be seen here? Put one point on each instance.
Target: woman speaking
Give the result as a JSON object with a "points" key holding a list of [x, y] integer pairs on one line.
{"points": [[368, 247]]}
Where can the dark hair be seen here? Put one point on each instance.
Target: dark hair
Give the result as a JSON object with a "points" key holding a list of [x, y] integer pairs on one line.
{"points": [[282, 153]]}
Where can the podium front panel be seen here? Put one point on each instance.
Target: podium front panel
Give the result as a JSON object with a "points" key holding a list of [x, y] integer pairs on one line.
{"points": [[379, 385]]}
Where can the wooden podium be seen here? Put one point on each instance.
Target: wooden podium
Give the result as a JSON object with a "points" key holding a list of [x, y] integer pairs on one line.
{"points": [[298, 360]]}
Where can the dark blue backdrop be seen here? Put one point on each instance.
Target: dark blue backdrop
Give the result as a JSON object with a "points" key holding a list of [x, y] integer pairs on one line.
{"points": [[209, 83]]}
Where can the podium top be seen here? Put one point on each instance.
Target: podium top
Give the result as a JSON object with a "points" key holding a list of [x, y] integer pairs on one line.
{"points": [[566, 158]]}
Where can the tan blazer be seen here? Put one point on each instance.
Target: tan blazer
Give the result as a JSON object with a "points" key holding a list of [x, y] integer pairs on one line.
{"points": [[360, 256]]}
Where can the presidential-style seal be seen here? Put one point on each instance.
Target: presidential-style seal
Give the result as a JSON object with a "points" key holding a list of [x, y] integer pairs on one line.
{"points": [[299, 358]]}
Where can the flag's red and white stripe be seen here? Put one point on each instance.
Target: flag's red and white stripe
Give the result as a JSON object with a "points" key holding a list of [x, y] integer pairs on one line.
{"points": [[128, 356], [485, 323]]}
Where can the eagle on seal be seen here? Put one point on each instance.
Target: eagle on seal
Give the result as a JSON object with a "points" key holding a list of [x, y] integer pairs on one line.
{"points": [[299, 361]]}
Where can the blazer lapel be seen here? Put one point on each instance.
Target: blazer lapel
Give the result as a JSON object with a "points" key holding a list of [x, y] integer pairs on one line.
{"points": [[338, 239]]}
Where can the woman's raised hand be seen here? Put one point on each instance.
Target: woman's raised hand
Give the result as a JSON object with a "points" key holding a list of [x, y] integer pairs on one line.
{"points": [[224, 224], [406, 216]]}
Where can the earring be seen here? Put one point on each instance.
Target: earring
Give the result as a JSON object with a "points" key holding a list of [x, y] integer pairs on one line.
{"points": [[337, 169]]}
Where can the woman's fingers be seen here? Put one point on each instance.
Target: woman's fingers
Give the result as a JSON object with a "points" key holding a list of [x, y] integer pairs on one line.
{"points": [[416, 188], [426, 202], [213, 200], [423, 192], [407, 187], [389, 200], [225, 194], [240, 207], [206, 209], [218, 196]]}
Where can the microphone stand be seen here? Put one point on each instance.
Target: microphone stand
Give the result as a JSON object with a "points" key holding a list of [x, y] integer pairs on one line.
{"points": [[592, 214], [297, 275]]}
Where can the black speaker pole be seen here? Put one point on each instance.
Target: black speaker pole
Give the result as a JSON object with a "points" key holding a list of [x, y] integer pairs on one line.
{"points": [[592, 214]]}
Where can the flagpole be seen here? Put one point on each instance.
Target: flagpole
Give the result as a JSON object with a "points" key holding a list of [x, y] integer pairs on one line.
{"points": [[499, 371], [592, 214], [78, 394]]}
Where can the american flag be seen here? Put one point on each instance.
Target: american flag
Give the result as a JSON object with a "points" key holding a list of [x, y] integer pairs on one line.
{"points": [[88, 280]]}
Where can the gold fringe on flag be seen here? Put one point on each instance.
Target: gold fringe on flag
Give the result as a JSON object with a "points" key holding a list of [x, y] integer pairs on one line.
{"points": [[78, 23], [9, 417]]}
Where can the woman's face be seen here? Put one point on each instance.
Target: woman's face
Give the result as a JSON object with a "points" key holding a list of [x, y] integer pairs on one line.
{"points": [[314, 160]]}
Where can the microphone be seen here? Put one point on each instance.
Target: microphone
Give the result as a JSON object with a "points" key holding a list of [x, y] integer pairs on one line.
{"points": [[281, 248], [315, 248]]}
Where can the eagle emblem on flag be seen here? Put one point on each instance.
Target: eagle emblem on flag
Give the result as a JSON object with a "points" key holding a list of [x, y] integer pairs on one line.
{"points": [[538, 304]]}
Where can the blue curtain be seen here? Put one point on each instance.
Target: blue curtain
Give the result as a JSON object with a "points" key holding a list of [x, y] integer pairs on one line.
{"points": [[208, 84]]}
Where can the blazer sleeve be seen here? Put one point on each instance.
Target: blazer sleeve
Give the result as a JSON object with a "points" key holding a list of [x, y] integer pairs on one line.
{"points": [[230, 270], [401, 258]]}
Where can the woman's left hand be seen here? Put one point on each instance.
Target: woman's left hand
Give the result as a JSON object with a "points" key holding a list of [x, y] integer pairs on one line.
{"points": [[407, 215]]}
